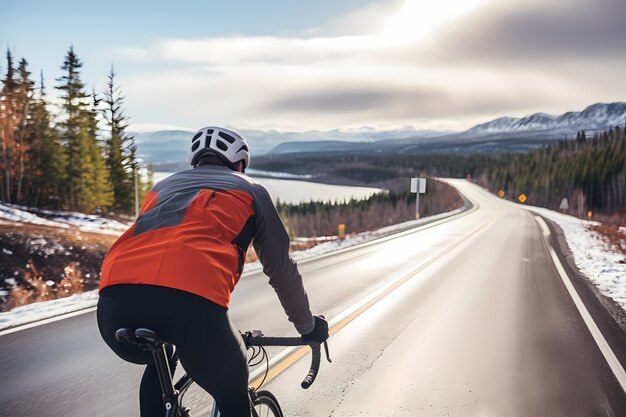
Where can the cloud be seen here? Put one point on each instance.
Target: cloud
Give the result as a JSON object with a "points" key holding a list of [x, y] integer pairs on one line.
{"points": [[364, 103], [366, 99], [540, 31], [511, 57], [368, 19]]}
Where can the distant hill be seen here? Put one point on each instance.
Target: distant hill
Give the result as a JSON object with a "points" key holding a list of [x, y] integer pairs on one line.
{"points": [[168, 148], [504, 134]]}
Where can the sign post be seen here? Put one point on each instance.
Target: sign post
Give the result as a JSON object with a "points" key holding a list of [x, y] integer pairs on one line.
{"points": [[418, 186]]}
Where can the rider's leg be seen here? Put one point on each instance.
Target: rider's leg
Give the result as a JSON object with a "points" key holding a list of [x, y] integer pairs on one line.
{"points": [[209, 348], [121, 306], [215, 357]]}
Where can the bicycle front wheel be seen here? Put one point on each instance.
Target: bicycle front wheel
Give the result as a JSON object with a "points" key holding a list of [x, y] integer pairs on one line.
{"points": [[266, 405]]}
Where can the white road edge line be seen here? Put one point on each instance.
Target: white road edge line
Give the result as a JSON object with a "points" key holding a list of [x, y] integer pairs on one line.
{"points": [[48, 320], [608, 354], [543, 226]]}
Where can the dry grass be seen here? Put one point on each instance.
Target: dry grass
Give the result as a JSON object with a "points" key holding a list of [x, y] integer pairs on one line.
{"points": [[612, 236], [48, 262]]}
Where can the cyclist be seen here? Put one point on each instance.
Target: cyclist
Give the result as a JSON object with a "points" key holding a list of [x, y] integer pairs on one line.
{"points": [[174, 270]]}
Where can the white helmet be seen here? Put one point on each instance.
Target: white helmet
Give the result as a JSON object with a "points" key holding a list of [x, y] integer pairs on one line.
{"points": [[226, 143]]}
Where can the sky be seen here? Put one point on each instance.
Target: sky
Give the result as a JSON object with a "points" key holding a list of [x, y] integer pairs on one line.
{"points": [[328, 64]]}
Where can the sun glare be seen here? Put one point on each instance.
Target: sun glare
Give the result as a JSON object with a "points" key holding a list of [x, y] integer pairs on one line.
{"points": [[418, 19]]}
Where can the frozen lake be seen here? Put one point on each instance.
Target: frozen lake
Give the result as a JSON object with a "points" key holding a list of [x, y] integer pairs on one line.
{"points": [[295, 191]]}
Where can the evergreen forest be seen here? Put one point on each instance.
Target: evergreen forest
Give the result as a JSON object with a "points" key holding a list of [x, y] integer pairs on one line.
{"points": [[589, 171], [76, 155]]}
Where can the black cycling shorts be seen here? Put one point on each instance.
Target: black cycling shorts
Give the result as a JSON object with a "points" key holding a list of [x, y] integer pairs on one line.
{"points": [[209, 348]]}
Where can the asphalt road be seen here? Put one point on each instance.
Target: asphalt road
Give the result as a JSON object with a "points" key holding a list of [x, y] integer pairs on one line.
{"points": [[470, 318]]}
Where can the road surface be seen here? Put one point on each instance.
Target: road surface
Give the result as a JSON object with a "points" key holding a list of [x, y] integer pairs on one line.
{"points": [[462, 317]]}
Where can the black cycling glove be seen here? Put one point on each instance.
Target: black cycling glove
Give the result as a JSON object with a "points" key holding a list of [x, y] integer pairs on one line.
{"points": [[320, 331]]}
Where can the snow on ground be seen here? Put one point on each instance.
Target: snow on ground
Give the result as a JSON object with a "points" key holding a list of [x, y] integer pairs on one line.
{"points": [[17, 215], [46, 309], [63, 219], [592, 254]]}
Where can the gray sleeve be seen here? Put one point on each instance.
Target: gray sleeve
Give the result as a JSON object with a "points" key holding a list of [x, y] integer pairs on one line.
{"points": [[271, 243]]}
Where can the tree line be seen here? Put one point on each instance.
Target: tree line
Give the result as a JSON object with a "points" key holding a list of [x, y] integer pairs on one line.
{"points": [[316, 218], [74, 156], [590, 171]]}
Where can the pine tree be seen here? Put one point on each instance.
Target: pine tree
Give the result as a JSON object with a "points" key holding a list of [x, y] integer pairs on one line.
{"points": [[88, 187], [48, 159], [94, 179], [24, 129], [73, 130], [8, 126], [121, 149]]}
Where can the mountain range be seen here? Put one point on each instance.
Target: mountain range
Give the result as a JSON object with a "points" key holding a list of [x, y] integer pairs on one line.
{"points": [[504, 134]]}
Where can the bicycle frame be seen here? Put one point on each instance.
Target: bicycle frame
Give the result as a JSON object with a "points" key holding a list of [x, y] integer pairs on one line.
{"points": [[181, 387], [173, 393]]}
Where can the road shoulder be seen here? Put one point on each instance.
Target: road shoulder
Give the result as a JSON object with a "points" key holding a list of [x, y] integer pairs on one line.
{"points": [[608, 315]]}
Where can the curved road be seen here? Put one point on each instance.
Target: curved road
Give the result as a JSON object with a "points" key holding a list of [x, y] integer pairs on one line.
{"points": [[462, 317]]}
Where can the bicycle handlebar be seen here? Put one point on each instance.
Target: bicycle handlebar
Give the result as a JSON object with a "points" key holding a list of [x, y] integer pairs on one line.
{"points": [[257, 339]]}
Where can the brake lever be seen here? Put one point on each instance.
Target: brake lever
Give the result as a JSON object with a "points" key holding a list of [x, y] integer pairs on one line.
{"points": [[327, 352]]}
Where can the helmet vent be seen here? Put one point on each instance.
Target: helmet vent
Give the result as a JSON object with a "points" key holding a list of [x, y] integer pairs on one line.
{"points": [[243, 148], [195, 146], [226, 137], [196, 136], [221, 145]]}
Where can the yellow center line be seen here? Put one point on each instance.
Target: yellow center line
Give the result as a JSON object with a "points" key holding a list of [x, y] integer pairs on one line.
{"points": [[300, 352]]}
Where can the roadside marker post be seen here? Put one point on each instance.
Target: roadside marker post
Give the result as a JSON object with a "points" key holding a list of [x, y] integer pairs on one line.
{"points": [[501, 193], [341, 231], [418, 186]]}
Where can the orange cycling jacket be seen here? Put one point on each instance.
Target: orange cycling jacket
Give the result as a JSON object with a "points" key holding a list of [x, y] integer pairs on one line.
{"points": [[193, 232]]}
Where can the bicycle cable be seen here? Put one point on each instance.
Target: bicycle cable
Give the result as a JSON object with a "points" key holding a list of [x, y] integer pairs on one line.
{"points": [[260, 350]]}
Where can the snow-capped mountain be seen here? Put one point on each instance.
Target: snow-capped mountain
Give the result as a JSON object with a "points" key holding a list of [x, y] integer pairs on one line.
{"points": [[167, 149], [599, 116]]}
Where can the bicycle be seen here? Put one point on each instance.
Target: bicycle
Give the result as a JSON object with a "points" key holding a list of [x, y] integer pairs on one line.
{"points": [[260, 400]]}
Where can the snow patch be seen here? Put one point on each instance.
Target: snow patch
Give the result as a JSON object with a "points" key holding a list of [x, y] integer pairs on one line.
{"points": [[18, 215], [46, 309], [63, 219], [43, 246], [592, 254]]}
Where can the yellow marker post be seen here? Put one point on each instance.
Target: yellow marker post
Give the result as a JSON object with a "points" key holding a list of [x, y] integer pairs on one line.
{"points": [[589, 214], [522, 198], [341, 231], [501, 193]]}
